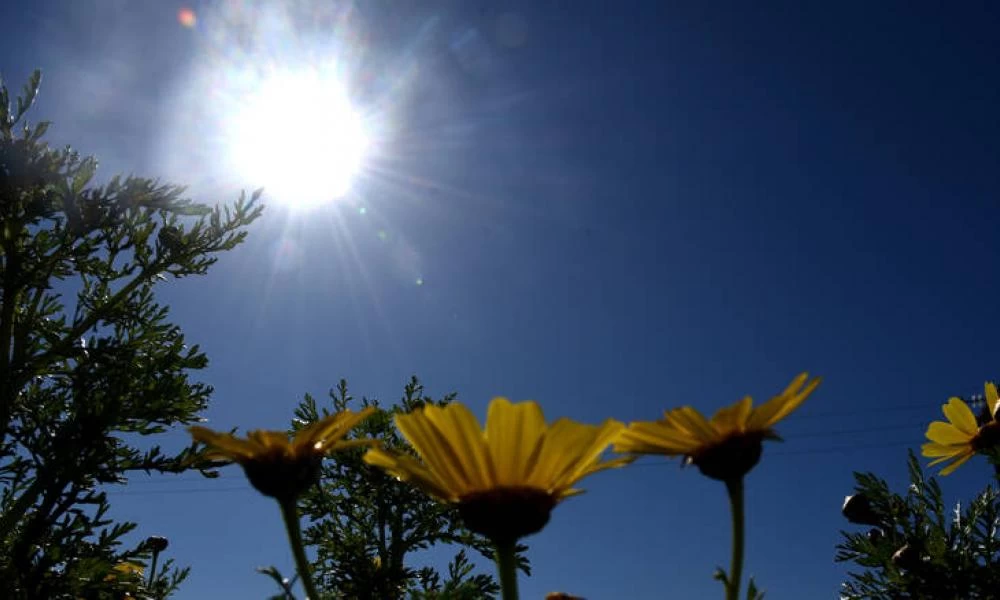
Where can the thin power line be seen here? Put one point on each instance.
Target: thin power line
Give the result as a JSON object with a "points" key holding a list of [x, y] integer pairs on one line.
{"points": [[830, 450], [866, 411], [835, 432], [204, 490], [847, 448], [167, 479]]}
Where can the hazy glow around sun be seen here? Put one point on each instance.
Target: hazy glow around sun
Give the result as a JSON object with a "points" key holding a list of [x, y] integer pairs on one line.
{"points": [[297, 135]]}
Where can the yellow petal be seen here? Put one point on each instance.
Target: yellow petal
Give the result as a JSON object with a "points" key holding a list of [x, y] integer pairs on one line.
{"points": [[800, 395], [942, 459], [779, 407], [408, 469], [221, 445], [733, 418], [933, 449], [568, 493], [993, 400], [613, 463], [961, 416], [795, 385], [764, 415], [946, 433], [692, 420], [513, 433], [655, 438], [559, 452], [588, 456], [671, 430], [958, 462], [467, 439], [333, 427], [433, 447], [269, 442]]}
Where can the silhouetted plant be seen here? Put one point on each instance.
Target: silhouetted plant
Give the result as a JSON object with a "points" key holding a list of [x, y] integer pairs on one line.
{"points": [[90, 365], [917, 549]]}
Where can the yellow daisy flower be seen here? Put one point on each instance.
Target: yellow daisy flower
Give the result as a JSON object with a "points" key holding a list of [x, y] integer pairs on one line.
{"points": [[279, 467], [725, 447], [961, 437], [504, 479]]}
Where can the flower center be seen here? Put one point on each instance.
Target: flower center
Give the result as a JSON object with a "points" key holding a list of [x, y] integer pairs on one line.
{"points": [[731, 458], [506, 514], [283, 477], [987, 437]]}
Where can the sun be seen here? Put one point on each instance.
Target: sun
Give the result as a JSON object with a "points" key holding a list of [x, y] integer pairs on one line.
{"points": [[297, 135]]}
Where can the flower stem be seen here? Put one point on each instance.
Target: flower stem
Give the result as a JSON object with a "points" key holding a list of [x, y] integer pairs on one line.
{"points": [[506, 559], [735, 489], [290, 513], [152, 569]]}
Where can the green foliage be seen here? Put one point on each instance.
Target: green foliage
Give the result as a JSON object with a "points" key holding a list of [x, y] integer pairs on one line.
{"points": [[365, 525], [462, 582], [919, 550], [90, 366]]}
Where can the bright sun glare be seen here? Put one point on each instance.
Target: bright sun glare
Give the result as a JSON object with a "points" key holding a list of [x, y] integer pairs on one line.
{"points": [[299, 137]]}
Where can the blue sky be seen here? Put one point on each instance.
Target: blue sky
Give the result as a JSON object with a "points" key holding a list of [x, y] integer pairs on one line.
{"points": [[611, 210]]}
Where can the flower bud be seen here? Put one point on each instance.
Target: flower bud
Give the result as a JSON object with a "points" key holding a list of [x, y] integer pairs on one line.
{"points": [[157, 543], [858, 510], [875, 535]]}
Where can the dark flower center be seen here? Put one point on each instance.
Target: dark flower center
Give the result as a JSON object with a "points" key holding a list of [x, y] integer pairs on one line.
{"points": [[988, 437], [283, 477], [732, 458], [505, 515]]}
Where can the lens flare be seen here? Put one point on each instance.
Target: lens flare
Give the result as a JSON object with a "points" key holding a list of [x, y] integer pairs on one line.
{"points": [[186, 17]]}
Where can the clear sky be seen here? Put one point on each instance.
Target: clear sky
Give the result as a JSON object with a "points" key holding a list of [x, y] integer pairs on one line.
{"points": [[612, 208]]}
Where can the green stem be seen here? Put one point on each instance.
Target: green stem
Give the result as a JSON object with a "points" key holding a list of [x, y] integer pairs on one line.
{"points": [[152, 569], [290, 513], [506, 559], [735, 489]]}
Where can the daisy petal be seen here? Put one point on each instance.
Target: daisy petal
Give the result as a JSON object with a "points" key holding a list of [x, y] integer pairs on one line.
{"points": [[933, 449], [993, 400], [587, 461], [733, 418], [513, 432], [946, 434], [779, 407], [557, 457], [467, 438], [961, 416], [959, 461], [692, 420], [407, 469], [434, 448], [222, 445], [655, 438]]}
